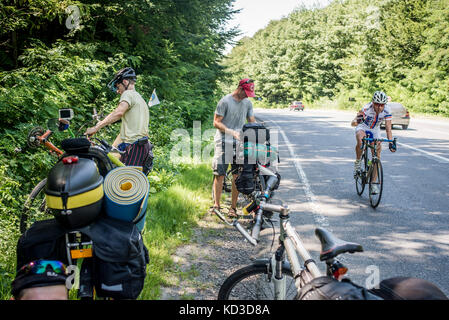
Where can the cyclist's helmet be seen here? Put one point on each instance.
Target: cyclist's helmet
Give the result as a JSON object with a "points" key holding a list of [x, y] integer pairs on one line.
{"points": [[125, 73], [380, 97]]}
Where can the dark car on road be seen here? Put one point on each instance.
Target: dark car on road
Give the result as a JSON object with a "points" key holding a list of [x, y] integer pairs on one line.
{"points": [[297, 106], [400, 114]]}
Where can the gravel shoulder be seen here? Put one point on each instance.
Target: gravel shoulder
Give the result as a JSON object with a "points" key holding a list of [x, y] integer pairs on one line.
{"points": [[214, 252]]}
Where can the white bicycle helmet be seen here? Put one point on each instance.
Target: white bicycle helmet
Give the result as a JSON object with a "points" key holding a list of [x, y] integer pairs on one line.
{"points": [[380, 97]]}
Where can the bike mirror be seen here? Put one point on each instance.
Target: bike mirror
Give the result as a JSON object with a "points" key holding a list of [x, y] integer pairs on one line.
{"points": [[53, 124]]}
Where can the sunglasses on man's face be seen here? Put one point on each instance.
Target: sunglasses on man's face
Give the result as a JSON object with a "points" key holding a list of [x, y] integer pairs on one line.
{"points": [[41, 266]]}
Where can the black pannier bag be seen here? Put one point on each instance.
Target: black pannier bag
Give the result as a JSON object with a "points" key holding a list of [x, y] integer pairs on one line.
{"points": [[408, 288], [245, 179], [43, 240], [119, 258], [327, 288]]}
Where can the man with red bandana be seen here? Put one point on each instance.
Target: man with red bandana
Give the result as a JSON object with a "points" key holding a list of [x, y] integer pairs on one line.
{"points": [[232, 111]]}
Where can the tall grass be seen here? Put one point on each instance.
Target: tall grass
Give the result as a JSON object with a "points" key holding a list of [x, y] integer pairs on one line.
{"points": [[172, 215]]}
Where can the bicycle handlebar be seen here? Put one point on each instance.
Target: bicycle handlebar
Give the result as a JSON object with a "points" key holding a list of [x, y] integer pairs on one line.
{"points": [[379, 140]]}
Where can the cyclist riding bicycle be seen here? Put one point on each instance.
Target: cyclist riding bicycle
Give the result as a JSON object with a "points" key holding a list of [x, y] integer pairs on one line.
{"points": [[367, 123], [134, 113]]}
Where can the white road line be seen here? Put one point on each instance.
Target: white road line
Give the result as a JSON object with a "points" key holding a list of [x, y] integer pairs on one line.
{"points": [[440, 158], [320, 220]]}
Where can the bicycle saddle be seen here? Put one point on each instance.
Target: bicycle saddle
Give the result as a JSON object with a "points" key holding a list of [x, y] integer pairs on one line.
{"points": [[331, 246]]}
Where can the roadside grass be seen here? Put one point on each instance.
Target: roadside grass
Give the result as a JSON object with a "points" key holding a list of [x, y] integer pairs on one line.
{"points": [[172, 215]]}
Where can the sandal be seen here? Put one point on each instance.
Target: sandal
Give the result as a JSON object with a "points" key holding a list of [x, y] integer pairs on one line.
{"points": [[211, 209], [232, 213]]}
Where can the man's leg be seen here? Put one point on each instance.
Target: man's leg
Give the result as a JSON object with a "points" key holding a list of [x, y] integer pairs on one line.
{"points": [[218, 188], [219, 170], [360, 134], [234, 192]]}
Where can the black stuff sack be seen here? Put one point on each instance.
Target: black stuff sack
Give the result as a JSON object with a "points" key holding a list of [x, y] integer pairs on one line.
{"points": [[327, 288], [43, 240], [245, 180], [119, 258]]}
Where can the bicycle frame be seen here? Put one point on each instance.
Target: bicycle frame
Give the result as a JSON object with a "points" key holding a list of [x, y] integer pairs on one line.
{"points": [[372, 144], [291, 243]]}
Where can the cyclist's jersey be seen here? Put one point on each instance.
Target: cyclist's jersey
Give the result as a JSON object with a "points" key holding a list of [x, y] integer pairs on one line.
{"points": [[373, 120]]}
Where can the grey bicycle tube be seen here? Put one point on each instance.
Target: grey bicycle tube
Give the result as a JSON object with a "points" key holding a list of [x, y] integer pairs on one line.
{"points": [[218, 213], [273, 207], [247, 236], [279, 282], [238, 226], [257, 225], [297, 243]]}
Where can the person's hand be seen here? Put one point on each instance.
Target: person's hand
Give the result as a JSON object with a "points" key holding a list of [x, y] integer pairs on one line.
{"points": [[392, 146], [90, 131], [236, 135]]}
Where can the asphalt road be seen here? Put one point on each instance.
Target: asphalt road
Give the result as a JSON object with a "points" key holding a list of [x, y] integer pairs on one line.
{"points": [[408, 233]]}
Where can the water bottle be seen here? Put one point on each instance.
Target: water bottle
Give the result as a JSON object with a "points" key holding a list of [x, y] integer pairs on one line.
{"points": [[271, 183]]}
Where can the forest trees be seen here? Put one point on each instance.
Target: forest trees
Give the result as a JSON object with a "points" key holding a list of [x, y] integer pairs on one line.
{"points": [[62, 53], [349, 49]]}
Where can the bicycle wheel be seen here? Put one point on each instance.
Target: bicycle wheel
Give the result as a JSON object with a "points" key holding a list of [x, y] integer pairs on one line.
{"points": [[360, 180], [35, 207], [253, 283], [375, 198]]}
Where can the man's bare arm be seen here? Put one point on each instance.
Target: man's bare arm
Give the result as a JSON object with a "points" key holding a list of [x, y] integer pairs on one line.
{"points": [[114, 116], [388, 127], [355, 122], [220, 126]]}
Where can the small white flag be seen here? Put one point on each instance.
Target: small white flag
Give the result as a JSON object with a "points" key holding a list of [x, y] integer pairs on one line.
{"points": [[154, 99]]}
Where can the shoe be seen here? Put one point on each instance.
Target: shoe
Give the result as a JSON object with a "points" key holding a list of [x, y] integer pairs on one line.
{"points": [[374, 189], [357, 167]]}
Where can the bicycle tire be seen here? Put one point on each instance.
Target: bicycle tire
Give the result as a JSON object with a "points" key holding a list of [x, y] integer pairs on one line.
{"points": [[374, 201], [251, 283], [34, 208]]}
